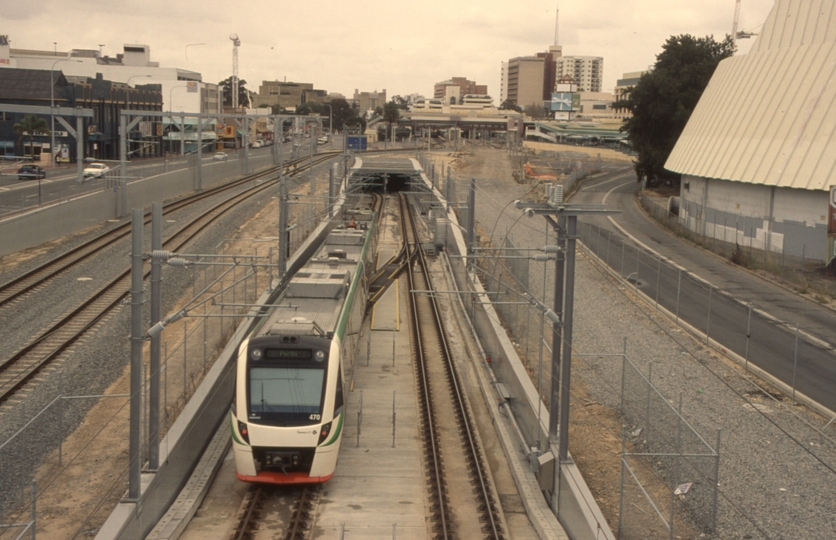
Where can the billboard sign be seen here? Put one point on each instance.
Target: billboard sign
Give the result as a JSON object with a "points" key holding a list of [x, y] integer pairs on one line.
{"points": [[357, 142], [562, 101]]}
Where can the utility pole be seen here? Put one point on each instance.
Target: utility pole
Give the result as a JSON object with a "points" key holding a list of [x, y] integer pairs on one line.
{"points": [[564, 218]]}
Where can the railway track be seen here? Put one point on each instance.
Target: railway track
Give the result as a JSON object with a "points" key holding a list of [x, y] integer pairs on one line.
{"points": [[37, 277], [253, 515], [452, 452], [61, 334]]}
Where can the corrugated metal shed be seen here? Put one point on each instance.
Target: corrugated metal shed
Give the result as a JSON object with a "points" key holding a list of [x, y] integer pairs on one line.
{"points": [[769, 117]]}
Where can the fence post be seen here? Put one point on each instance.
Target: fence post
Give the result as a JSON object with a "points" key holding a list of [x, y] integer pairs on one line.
{"points": [[708, 323], [716, 481], [794, 363], [647, 404], [623, 372], [748, 337], [678, 289]]}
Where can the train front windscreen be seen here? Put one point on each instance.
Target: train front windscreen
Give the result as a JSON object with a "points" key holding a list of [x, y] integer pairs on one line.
{"points": [[284, 393]]}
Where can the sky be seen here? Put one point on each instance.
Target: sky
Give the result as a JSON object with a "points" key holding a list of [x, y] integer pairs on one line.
{"points": [[372, 45]]}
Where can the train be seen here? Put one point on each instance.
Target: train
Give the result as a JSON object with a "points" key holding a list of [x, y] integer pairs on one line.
{"points": [[288, 410]]}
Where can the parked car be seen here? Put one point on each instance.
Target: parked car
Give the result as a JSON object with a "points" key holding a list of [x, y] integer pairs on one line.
{"points": [[95, 170], [30, 172], [322, 140], [256, 144], [220, 156]]}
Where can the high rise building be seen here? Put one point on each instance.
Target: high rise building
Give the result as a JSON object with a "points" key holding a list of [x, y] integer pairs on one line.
{"points": [[586, 71], [525, 81]]}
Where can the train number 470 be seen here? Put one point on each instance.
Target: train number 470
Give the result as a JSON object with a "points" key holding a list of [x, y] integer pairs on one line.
{"points": [[314, 417]]}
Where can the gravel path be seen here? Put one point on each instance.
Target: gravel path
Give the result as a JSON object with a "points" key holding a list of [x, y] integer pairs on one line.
{"points": [[776, 475]]}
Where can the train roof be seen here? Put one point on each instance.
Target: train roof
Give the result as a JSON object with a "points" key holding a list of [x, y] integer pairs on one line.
{"points": [[313, 299]]}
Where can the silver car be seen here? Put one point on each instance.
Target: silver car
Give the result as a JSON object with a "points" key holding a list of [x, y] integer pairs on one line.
{"points": [[95, 170]]}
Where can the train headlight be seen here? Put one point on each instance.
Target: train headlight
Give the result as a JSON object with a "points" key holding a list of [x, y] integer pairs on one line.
{"points": [[319, 356], [324, 431], [245, 434], [256, 354]]}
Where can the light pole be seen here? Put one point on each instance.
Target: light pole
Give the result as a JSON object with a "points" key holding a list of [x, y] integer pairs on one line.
{"points": [[330, 115], [52, 106], [170, 114], [128, 101]]}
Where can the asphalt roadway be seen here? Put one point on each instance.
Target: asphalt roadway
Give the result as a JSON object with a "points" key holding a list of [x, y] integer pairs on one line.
{"points": [[790, 336]]}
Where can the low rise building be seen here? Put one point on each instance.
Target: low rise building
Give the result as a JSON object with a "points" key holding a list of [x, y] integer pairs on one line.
{"points": [[181, 89]]}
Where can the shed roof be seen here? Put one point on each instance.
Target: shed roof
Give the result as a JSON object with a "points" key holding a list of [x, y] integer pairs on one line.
{"points": [[769, 117]]}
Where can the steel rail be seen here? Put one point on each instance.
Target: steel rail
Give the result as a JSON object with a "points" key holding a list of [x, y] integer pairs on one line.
{"points": [[490, 518], [438, 484], [22, 366], [37, 277]]}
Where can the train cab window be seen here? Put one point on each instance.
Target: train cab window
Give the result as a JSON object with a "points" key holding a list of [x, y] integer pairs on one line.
{"points": [[286, 396]]}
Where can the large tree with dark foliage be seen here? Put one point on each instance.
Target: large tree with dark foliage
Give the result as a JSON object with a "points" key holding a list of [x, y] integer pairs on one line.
{"points": [[664, 99], [243, 94]]}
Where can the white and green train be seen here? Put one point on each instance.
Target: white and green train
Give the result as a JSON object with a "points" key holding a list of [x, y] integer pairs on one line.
{"points": [[289, 406]]}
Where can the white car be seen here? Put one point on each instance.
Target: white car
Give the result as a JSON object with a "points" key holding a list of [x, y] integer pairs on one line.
{"points": [[95, 170], [220, 156], [322, 140]]}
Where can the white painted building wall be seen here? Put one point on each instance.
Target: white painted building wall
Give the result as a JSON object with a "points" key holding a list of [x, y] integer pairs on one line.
{"points": [[776, 219]]}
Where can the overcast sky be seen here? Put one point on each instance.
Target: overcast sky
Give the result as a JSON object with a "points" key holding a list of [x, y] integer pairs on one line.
{"points": [[343, 45]]}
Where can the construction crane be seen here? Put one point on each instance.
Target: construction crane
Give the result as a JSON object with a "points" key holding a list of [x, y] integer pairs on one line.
{"points": [[735, 33], [235, 44]]}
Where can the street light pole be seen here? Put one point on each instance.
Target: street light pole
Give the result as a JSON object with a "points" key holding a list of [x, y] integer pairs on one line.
{"points": [[128, 100], [52, 106], [170, 113], [330, 121]]}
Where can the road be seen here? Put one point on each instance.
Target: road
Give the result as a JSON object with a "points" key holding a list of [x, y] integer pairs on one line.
{"points": [[62, 183], [805, 355]]}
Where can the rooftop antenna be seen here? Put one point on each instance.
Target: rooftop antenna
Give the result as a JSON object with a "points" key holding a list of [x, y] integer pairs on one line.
{"points": [[235, 44], [556, 27]]}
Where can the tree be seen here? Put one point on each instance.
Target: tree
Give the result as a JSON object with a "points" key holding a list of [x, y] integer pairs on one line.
{"points": [[400, 103], [536, 112], [340, 112], [243, 94], [665, 97], [355, 123], [509, 105], [30, 125], [391, 113]]}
